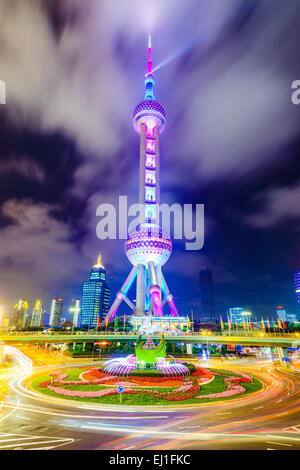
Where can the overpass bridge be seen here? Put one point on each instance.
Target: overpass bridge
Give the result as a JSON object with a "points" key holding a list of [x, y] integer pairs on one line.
{"points": [[287, 340]]}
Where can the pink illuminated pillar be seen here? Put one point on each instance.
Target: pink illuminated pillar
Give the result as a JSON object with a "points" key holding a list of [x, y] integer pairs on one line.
{"points": [[172, 306], [155, 294], [155, 290]]}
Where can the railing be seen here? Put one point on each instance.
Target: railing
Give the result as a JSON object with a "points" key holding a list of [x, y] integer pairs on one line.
{"points": [[226, 334], [109, 333]]}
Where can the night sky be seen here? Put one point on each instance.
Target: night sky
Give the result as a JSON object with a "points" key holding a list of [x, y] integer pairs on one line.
{"points": [[74, 72]]}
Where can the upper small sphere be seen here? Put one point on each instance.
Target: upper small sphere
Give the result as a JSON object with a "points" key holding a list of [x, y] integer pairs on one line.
{"points": [[146, 109]]}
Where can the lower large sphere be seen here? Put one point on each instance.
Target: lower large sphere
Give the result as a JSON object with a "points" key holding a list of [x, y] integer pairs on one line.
{"points": [[149, 243]]}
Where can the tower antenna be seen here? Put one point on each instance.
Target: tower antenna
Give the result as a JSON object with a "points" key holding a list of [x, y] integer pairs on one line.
{"points": [[149, 68]]}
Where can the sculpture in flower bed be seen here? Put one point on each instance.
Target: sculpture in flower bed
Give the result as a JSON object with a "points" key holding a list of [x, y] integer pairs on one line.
{"points": [[147, 357]]}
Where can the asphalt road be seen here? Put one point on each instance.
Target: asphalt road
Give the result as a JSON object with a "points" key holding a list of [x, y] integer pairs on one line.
{"points": [[270, 420]]}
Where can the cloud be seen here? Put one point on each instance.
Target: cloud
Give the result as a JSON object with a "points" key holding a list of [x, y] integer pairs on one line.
{"points": [[22, 166], [69, 85], [36, 256], [279, 205]]}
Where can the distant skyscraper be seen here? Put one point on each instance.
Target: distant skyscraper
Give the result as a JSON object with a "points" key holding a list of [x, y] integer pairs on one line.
{"points": [[236, 314], [5, 322], [56, 312], [75, 312], [19, 316], [95, 296], [297, 285], [37, 312], [281, 313], [291, 318], [207, 307], [43, 318], [1, 313], [46, 316]]}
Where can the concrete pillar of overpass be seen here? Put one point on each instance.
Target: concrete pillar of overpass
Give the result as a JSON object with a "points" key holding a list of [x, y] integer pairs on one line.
{"points": [[283, 357], [83, 349], [74, 346], [189, 348]]}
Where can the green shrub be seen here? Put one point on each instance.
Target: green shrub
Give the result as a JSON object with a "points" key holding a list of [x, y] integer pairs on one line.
{"points": [[146, 373], [190, 367]]}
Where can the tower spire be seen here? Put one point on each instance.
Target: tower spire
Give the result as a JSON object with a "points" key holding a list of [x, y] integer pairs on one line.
{"points": [[149, 68], [149, 81], [99, 262]]}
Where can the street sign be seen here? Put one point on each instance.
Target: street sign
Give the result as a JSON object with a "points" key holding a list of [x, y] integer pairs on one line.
{"points": [[120, 389]]}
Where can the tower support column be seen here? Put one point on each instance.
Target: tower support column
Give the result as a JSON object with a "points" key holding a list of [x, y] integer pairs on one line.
{"points": [[169, 299], [140, 290], [155, 290]]}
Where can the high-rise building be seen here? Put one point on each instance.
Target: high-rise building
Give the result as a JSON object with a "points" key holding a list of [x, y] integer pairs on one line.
{"points": [[281, 313], [236, 314], [56, 312], [46, 319], [297, 284], [207, 297], [37, 312], [5, 322], [43, 318], [95, 296], [292, 318], [75, 312], [1, 313], [19, 317]]}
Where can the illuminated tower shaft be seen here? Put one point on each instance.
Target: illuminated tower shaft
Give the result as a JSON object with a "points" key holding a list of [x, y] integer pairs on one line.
{"points": [[148, 126], [148, 247]]}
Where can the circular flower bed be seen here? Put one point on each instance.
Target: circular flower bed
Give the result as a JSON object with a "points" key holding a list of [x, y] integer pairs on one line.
{"points": [[95, 384]]}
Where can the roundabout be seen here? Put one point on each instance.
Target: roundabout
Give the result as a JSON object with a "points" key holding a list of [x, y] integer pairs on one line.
{"points": [[147, 377]]}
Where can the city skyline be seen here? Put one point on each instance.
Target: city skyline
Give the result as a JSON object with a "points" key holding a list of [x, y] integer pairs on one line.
{"points": [[272, 314]]}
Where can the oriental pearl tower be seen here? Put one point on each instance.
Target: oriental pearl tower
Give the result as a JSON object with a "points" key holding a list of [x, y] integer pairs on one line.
{"points": [[148, 247]]}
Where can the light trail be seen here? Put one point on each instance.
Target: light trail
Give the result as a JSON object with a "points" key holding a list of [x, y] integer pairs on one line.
{"points": [[249, 421]]}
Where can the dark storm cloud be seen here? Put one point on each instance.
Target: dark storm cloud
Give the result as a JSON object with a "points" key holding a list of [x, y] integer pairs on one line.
{"points": [[74, 71]]}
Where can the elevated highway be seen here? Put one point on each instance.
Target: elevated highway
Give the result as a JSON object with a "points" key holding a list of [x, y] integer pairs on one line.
{"points": [[258, 339]]}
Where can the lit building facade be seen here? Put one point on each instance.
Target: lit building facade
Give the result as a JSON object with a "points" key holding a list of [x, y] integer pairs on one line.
{"points": [[148, 247], [95, 297], [236, 315], [1, 314], [281, 314], [20, 314], [292, 318], [297, 285], [37, 313], [75, 313], [56, 312]]}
